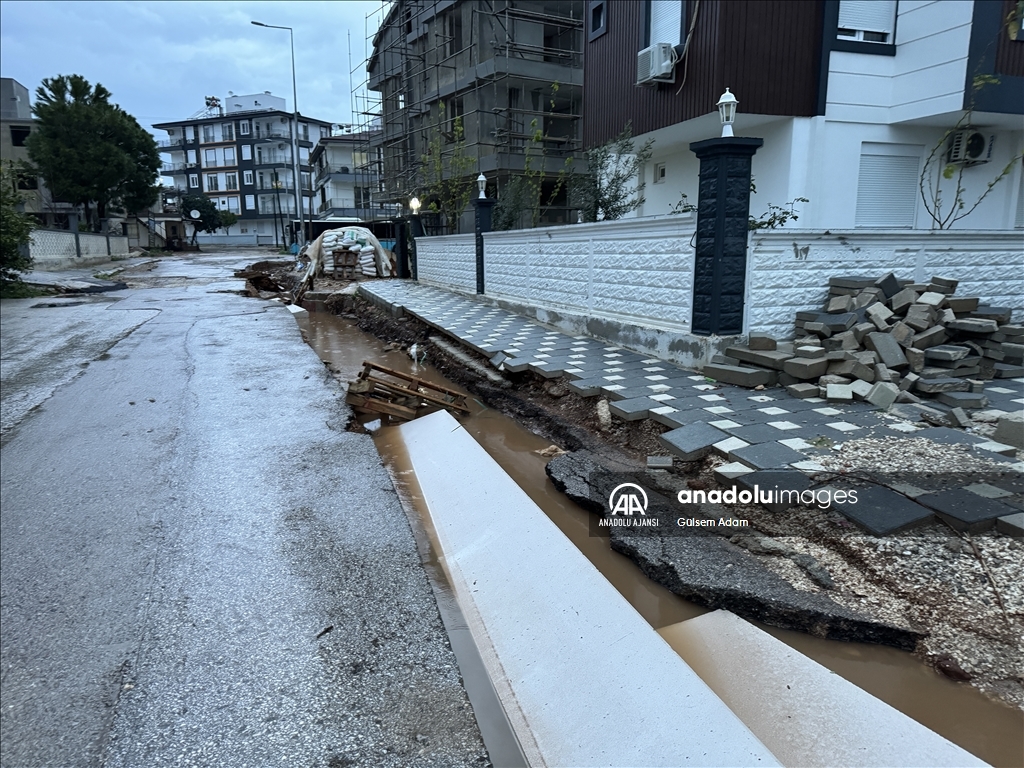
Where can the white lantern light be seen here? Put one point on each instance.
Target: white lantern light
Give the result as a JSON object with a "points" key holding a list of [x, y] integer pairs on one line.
{"points": [[727, 110], [414, 205], [481, 184]]}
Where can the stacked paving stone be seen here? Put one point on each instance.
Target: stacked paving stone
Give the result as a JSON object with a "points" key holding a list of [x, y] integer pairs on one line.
{"points": [[885, 341]]}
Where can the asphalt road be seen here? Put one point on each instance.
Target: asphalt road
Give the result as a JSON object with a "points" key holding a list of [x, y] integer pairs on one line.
{"points": [[182, 516]]}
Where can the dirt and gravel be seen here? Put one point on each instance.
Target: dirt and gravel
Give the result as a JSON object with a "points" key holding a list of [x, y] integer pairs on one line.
{"points": [[965, 592]]}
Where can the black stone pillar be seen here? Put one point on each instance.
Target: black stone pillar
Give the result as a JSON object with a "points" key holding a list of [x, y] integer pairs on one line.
{"points": [[723, 212], [402, 247], [484, 208], [415, 230]]}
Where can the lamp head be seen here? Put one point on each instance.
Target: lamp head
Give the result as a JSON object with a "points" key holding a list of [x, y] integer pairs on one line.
{"points": [[727, 111], [414, 205], [481, 184]]}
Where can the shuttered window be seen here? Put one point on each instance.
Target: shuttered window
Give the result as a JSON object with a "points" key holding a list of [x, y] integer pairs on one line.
{"points": [[887, 186], [868, 20], [666, 22]]}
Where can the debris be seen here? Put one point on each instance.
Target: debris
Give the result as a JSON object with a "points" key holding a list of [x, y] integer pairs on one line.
{"points": [[947, 665], [399, 396], [551, 452], [604, 415]]}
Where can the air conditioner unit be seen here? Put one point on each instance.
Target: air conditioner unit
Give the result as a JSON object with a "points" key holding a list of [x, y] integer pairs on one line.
{"points": [[655, 64], [970, 147]]}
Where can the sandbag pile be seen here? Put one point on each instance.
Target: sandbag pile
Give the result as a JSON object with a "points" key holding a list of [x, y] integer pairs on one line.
{"points": [[373, 260], [885, 340]]}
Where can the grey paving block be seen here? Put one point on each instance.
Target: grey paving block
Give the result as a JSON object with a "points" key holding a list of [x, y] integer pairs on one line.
{"points": [[659, 462], [771, 455], [948, 436], [889, 285], [764, 358], [761, 341], [693, 441], [881, 511], [1011, 525], [964, 510], [974, 325], [962, 399], [942, 384], [1010, 430], [883, 394], [805, 367], [744, 377], [888, 349], [633, 409], [802, 391]]}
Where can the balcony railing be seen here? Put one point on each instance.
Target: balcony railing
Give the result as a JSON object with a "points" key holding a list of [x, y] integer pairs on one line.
{"points": [[279, 186], [268, 158], [169, 143], [346, 173], [218, 163], [274, 135], [176, 167], [268, 206], [338, 208]]}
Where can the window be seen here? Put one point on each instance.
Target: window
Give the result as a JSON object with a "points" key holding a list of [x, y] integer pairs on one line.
{"points": [[190, 133], [208, 136], [597, 19], [304, 128], [229, 155], [212, 182], [210, 158], [243, 128], [227, 132], [887, 185], [453, 32], [193, 181], [191, 157], [230, 181], [666, 22], [247, 151], [247, 177], [866, 26], [250, 202], [304, 176], [233, 205], [19, 135], [659, 173]]}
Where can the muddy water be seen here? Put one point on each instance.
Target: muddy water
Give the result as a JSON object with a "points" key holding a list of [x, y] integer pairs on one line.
{"points": [[987, 728]]}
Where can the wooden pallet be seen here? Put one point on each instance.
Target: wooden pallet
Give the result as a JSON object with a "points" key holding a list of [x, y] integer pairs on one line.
{"points": [[400, 396]]}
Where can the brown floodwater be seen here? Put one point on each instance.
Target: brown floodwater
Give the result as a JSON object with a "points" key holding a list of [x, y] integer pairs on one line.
{"points": [[983, 726]]}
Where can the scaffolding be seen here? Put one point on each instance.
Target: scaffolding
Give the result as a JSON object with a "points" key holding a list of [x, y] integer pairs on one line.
{"points": [[511, 71]]}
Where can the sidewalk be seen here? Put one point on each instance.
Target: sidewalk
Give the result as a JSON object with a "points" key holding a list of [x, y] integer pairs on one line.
{"points": [[758, 431], [81, 280]]}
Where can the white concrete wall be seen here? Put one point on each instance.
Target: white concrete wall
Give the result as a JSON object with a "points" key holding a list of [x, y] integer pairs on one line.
{"points": [[926, 76], [448, 261], [55, 249], [638, 271], [788, 271]]}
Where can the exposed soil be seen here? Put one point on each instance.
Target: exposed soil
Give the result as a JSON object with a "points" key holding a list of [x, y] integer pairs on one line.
{"points": [[932, 579]]}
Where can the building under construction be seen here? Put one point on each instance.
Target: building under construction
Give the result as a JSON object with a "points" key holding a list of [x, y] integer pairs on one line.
{"points": [[493, 86]]}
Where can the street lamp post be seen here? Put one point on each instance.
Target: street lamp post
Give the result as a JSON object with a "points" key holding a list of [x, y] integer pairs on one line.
{"points": [[295, 129]]}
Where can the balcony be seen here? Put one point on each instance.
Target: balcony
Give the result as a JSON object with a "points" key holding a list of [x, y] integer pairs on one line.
{"points": [[175, 168], [273, 159], [170, 143], [338, 208], [345, 173], [275, 135], [268, 206], [276, 186], [219, 164]]}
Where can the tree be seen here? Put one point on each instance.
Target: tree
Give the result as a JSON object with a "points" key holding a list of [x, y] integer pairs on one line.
{"points": [[15, 232], [209, 217], [446, 173], [227, 221], [90, 151], [612, 186]]}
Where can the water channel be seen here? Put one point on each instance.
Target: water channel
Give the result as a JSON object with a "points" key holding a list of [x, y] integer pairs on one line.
{"points": [[985, 727]]}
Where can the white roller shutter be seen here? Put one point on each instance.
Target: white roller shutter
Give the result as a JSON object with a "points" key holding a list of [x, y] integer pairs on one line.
{"points": [[887, 189], [666, 21], [867, 15]]}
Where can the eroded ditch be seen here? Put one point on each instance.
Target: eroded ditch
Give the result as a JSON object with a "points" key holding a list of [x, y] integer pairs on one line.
{"points": [[988, 728]]}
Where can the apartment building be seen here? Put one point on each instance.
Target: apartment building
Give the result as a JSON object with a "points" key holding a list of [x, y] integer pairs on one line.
{"points": [[853, 98], [239, 153], [347, 175]]}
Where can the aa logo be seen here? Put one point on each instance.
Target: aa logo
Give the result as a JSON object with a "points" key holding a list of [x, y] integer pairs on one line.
{"points": [[628, 499]]}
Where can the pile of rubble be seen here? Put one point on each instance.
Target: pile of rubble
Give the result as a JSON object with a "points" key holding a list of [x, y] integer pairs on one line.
{"points": [[885, 340]]}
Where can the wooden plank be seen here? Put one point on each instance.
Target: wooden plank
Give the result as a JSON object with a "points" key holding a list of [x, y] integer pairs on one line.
{"points": [[398, 374]]}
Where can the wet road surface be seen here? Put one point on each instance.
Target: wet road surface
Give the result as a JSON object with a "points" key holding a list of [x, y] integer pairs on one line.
{"points": [[183, 516]]}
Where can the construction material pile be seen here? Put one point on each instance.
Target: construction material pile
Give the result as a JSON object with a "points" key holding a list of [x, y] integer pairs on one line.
{"points": [[885, 340], [396, 397]]}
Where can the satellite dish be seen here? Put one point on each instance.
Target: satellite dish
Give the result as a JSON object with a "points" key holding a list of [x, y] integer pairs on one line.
{"points": [[195, 214]]}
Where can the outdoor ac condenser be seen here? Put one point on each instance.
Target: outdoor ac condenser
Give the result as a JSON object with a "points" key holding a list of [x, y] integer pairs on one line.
{"points": [[655, 64], [970, 147]]}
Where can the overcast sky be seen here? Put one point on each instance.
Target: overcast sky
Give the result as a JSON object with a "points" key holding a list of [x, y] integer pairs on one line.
{"points": [[160, 59]]}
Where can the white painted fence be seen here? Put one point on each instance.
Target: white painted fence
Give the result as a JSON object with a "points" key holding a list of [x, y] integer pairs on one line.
{"points": [[640, 271], [448, 261], [55, 248], [788, 270]]}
